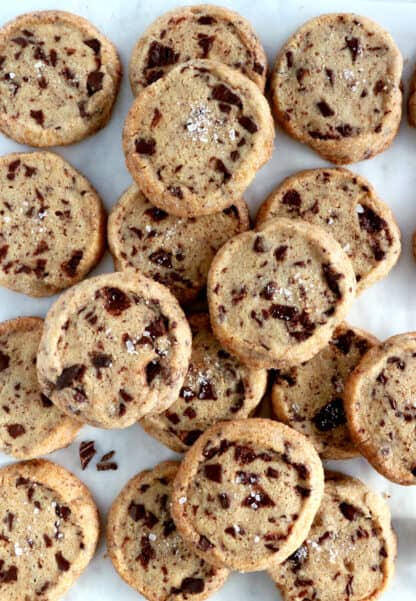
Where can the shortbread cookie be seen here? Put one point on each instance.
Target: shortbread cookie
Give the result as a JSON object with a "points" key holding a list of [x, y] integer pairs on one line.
{"points": [[217, 387], [114, 348], [336, 87], [146, 548], [309, 397], [175, 251], [350, 550], [346, 205], [49, 530], [194, 139], [192, 32], [59, 78], [52, 224], [30, 425], [276, 295], [380, 403], [246, 493]]}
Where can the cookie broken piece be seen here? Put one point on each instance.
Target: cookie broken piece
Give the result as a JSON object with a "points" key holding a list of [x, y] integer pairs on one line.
{"points": [[296, 287], [336, 87], [246, 493], [349, 552], [134, 354], [381, 408], [146, 548], [193, 32], [195, 139]]}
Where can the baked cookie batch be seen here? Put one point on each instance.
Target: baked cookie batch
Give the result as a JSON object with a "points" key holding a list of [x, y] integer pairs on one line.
{"points": [[250, 493]]}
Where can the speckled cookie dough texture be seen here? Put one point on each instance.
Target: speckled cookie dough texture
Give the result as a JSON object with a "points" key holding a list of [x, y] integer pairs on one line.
{"points": [[146, 548], [381, 408], [52, 224], [347, 206], [246, 493], [349, 552], [59, 78], [217, 387], [296, 287], [114, 348], [197, 32], [30, 425], [309, 397], [175, 251], [195, 139], [49, 530], [336, 87]]}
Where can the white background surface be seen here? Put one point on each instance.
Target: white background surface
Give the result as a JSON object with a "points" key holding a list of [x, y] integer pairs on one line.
{"points": [[387, 308]]}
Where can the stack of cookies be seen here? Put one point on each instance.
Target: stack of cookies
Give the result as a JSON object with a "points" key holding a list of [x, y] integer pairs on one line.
{"points": [[132, 346]]}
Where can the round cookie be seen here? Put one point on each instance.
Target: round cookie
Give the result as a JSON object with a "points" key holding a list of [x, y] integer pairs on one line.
{"points": [[49, 530], [297, 286], [246, 493], [30, 425], [192, 32], [346, 205], [336, 87], [380, 404], [309, 397], [195, 139], [46, 199], [134, 355], [411, 101], [350, 550], [59, 78], [217, 387], [175, 251], [146, 548]]}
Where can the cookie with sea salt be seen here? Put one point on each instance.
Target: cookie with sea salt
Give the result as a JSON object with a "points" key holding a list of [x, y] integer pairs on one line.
{"points": [[380, 404], [192, 32], [114, 348], [49, 530], [52, 224], [195, 139], [175, 251], [296, 286], [336, 87], [309, 397], [350, 550], [217, 387], [246, 493], [30, 425], [59, 78], [347, 206], [145, 547]]}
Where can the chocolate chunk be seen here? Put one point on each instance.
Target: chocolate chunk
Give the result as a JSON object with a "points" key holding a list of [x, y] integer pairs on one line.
{"points": [[4, 361], [248, 124], [156, 214], [136, 511], [38, 116], [370, 221], [330, 75], [269, 290], [224, 500], [347, 130], [343, 342], [16, 430], [300, 74], [258, 68], [272, 473], [350, 512], [145, 146], [101, 360], [107, 466], [213, 471], [176, 191], [259, 245], [207, 20], [168, 527], [280, 252], [69, 375], [207, 391], [147, 552], [160, 56], [63, 564], [20, 41], [94, 44], [192, 586], [63, 512], [204, 543], [9, 575], [289, 59], [330, 416], [221, 93], [400, 364], [293, 199], [115, 300], [303, 492], [13, 167], [205, 42], [190, 437], [153, 369], [348, 589], [9, 519], [187, 393], [162, 258], [70, 267], [258, 499], [94, 82], [244, 455], [325, 109], [219, 166], [247, 478], [332, 278], [86, 453], [283, 312], [354, 46], [153, 76]]}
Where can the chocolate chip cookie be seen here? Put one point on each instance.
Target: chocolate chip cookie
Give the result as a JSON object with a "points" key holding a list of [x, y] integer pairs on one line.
{"points": [[380, 404], [411, 101], [134, 353], [296, 287], [246, 493], [146, 548], [309, 397], [347, 206], [336, 87], [349, 552], [175, 251], [195, 139], [192, 32], [217, 387], [52, 224], [30, 425], [49, 530], [59, 78]]}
